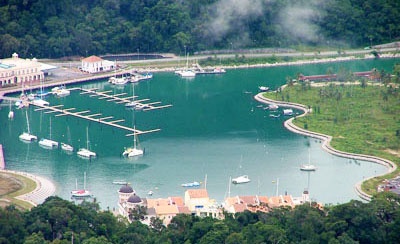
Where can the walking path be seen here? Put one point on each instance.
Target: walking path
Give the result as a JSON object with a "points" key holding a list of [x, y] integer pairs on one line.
{"points": [[44, 187], [326, 141]]}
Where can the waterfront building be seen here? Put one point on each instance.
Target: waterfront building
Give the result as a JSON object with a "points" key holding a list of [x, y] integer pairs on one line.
{"points": [[15, 70], [165, 208], [199, 203], [94, 64], [256, 203]]}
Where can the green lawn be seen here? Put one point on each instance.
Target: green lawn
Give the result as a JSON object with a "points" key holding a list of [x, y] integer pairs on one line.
{"points": [[362, 120]]}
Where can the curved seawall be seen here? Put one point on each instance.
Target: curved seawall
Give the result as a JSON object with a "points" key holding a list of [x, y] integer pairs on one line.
{"points": [[326, 141]]}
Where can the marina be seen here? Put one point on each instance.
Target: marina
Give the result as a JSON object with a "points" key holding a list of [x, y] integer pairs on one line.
{"points": [[210, 125]]}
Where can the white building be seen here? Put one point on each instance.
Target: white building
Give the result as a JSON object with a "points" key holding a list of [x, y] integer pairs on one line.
{"points": [[15, 70], [94, 64]]}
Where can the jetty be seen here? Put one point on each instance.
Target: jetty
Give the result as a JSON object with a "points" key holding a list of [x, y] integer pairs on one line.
{"points": [[2, 161], [90, 117], [119, 98]]}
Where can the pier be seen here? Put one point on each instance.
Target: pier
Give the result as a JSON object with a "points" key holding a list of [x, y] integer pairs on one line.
{"points": [[91, 117], [118, 98], [2, 161]]}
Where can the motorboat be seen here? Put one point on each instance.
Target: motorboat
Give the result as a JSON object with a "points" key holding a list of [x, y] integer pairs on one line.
{"points": [[60, 91], [66, 147], [241, 179], [273, 106], [85, 152], [120, 182], [191, 184], [308, 167], [132, 152], [263, 88], [27, 136], [288, 112], [118, 80]]}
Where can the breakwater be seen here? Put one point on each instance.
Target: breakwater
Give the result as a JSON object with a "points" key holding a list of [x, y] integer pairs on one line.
{"points": [[288, 124]]}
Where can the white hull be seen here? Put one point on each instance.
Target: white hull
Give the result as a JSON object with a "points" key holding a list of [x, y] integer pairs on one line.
{"points": [[40, 102], [27, 137], [241, 179], [47, 143], [81, 193], [66, 147], [186, 73], [11, 114], [85, 153], [308, 167], [132, 152]]}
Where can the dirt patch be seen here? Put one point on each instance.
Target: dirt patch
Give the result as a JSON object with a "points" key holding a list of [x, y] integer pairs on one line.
{"points": [[9, 184], [393, 152]]}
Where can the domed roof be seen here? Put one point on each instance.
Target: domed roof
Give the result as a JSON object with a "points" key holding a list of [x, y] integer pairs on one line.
{"points": [[126, 189], [134, 199]]}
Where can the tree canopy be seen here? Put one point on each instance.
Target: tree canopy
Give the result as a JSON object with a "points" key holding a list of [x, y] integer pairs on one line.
{"points": [[52, 29], [60, 221]]}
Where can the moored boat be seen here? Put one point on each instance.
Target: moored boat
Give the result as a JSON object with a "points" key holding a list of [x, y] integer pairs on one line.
{"points": [[241, 179], [191, 184]]}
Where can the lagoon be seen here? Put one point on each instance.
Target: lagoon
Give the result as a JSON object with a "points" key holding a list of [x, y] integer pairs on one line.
{"points": [[214, 128]]}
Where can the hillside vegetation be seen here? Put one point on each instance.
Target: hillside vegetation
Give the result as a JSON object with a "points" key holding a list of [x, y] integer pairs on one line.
{"points": [[53, 29]]}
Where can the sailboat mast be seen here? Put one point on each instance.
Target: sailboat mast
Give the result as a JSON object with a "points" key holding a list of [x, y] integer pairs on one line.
{"points": [[84, 180], [27, 121], [87, 138]]}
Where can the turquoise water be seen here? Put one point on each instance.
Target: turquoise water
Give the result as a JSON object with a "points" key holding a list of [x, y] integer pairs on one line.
{"points": [[214, 128]]}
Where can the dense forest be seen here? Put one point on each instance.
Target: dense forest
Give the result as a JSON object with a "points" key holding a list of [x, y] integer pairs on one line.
{"points": [[52, 29], [60, 221]]}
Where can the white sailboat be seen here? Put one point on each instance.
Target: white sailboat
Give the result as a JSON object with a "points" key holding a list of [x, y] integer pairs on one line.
{"points": [[27, 136], [133, 151], [67, 147], [81, 192], [85, 152], [48, 143], [308, 166], [186, 72], [11, 113]]}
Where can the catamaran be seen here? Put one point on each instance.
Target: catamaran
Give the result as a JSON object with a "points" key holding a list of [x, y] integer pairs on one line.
{"points": [[48, 143], [27, 136], [85, 152], [133, 151], [81, 192]]}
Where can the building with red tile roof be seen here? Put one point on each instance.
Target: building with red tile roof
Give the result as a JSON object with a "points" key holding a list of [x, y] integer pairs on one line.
{"points": [[94, 64]]}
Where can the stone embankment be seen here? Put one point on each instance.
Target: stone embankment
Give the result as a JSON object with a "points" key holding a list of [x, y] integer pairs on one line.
{"points": [[326, 141]]}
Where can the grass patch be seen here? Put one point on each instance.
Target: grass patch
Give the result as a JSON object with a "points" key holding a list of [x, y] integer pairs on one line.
{"points": [[363, 120], [13, 185]]}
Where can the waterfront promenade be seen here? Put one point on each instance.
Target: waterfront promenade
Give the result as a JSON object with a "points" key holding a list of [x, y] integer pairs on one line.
{"points": [[326, 141], [44, 187]]}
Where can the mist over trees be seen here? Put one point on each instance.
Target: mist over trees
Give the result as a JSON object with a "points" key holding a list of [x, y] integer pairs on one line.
{"points": [[51, 29]]}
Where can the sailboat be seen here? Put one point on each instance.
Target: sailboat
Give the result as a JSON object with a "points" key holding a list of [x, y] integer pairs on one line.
{"points": [[133, 151], [39, 101], [11, 113], [117, 80], [27, 136], [67, 147], [132, 104], [308, 166], [81, 192], [186, 72], [85, 152], [48, 143]]}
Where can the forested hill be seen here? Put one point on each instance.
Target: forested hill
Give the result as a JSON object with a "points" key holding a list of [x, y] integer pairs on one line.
{"points": [[50, 29]]}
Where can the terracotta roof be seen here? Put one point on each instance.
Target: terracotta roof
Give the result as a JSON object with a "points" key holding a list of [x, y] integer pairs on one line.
{"points": [[198, 193], [184, 210], [177, 201], [168, 209], [239, 208], [92, 59]]}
